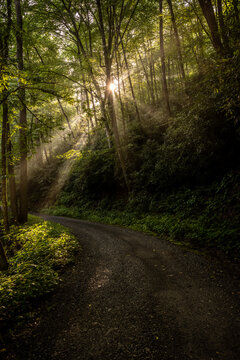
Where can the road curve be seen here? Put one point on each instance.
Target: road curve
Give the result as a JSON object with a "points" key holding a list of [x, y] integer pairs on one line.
{"points": [[133, 296]]}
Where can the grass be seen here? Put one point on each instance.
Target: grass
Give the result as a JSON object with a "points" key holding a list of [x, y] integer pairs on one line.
{"points": [[37, 252]]}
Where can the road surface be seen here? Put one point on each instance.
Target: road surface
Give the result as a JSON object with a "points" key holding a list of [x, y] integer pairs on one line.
{"points": [[133, 296]]}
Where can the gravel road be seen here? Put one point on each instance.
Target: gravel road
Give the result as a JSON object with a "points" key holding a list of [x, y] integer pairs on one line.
{"points": [[133, 296]]}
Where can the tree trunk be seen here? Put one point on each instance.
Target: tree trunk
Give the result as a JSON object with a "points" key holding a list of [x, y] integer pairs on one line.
{"points": [[124, 89], [149, 84], [4, 167], [104, 119], [66, 117], [131, 86], [94, 108], [178, 43], [89, 109], [107, 50], [151, 66], [112, 114], [23, 210], [155, 81], [162, 57], [11, 178], [208, 12], [222, 26], [169, 83], [39, 152], [141, 95], [7, 161], [3, 258], [46, 155], [120, 99]]}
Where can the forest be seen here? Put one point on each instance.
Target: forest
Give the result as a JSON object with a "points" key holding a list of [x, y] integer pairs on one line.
{"points": [[124, 112]]}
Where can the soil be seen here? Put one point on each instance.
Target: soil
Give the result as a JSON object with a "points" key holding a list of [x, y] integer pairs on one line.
{"points": [[134, 296]]}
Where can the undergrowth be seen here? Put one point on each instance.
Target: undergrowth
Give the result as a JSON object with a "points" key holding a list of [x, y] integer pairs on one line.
{"points": [[37, 252], [204, 217]]}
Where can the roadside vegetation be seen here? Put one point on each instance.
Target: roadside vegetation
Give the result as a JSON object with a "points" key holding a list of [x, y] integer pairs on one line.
{"points": [[206, 217], [37, 253]]}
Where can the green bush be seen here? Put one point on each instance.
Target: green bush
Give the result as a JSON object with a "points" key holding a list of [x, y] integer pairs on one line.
{"points": [[40, 250], [22, 285], [92, 178]]}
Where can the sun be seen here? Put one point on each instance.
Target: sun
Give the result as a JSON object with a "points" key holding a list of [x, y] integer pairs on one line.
{"points": [[113, 86]]}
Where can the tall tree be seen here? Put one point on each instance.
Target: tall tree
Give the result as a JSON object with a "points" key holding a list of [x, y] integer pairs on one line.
{"points": [[23, 209], [222, 25], [162, 57], [130, 83], [177, 38], [4, 40], [4, 166], [3, 258], [109, 51], [208, 12]]}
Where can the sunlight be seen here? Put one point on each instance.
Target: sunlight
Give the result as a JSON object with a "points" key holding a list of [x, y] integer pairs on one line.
{"points": [[113, 86]]}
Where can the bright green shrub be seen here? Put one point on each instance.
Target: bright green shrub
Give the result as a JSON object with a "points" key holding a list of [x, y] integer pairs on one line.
{"points": [[40, 250]]}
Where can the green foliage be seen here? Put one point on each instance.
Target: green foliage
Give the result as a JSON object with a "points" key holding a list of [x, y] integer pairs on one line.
{"points": [[38, 251], [204, 217], [92, 177]]}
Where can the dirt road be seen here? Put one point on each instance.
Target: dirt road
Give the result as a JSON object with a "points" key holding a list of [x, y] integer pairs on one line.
{"points": [[133, 296]]}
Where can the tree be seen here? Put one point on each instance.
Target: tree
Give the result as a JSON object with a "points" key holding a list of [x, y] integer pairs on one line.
{"points": [[3, 258], [4, 40], [162, 57], [23, 209], [178, 43], [208, 12], [109, 51], [222, 25]]}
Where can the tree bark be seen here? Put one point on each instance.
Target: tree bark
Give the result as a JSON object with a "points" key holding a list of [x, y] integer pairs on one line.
{"points": [[141, 94], [162, 57], [4, 40], [222, 26], [127, 112], [107, 50], [131, 86], [88, 105], [112, 114], [94, 108], [3, 258], [155, 81], [120, 98], [208, 12], [11, 179], [4, 167], [149, 84], [23, 209], [178, 43], [65, 115]]}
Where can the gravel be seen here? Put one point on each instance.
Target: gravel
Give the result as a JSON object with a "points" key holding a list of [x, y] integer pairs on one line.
{"points": [[134, 296]]}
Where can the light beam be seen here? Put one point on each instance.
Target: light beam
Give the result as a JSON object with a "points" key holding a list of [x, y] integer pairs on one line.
{"points": [[112, 86]]}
